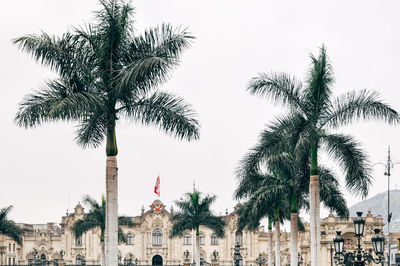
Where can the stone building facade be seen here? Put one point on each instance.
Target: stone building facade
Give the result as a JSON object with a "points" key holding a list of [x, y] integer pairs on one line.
{"points": [[148, 241]]}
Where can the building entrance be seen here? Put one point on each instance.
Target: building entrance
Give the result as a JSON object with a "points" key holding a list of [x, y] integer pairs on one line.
{"points": [[157, 260]]}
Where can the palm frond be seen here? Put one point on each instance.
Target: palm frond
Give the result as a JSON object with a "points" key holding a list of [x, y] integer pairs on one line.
{"points": [[150, 58], [357, 105], [84, 225], [59, 53], [330, 193], [279, 87], [54, 101], [91, 130], [319, 83], [125, 221], [167, 111], [9, 227], [352, 160], [121, 236]]}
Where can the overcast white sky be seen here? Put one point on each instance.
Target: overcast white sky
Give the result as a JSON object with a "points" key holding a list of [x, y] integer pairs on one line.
{"points": [[235, 40]]}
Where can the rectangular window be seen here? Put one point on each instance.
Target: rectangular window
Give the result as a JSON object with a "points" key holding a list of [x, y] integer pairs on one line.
{"points": [[214, 240], [201, 239], [13, 261], [14, 247], [186, 240]]}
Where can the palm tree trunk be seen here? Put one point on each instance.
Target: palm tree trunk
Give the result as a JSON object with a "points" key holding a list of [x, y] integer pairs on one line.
{"points": [[277, 240], [102, 254], [314, 208], [293, 229], [111, 236], [277, 244], [269, 241], [197, 255], [293, 239]]}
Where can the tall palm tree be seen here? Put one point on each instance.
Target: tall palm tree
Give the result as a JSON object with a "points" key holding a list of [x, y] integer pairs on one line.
{"points": [[96, 218], [8, 227], [285, 185], [107, 72], [194, 211], [313, 113]]}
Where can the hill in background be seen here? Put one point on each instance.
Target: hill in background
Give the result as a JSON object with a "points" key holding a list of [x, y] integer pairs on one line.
{"points": [[378, 206]]}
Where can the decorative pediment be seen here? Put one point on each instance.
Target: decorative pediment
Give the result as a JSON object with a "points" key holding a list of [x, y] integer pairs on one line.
{"points": [[157, 223], [157, 206]]}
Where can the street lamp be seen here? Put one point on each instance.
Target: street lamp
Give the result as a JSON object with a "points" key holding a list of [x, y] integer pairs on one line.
{"points": [[338, 242], [388, 166], [260, 260], [359, 257], [236, 255], [359, 224]]}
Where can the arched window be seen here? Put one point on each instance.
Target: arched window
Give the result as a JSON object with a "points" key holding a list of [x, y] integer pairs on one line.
{"points": [[129, 239], [78, 241], [214, 239], [239, 237], [201, 239], [43, 257], [78, 259], [186, 239], [157, 237]]}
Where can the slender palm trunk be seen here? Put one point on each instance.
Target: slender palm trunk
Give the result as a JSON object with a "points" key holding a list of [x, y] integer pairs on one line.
{"points": [[314, 208], [102, 254], [111, 236], [277, 240], [269, 241], [293, 230], [197, 255], [293, 239]]}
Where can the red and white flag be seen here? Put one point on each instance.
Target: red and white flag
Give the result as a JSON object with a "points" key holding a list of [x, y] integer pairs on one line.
{"points": [[157, 186]]}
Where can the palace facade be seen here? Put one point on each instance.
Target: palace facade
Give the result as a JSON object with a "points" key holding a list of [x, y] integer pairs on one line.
{"points": [[148, 241]]}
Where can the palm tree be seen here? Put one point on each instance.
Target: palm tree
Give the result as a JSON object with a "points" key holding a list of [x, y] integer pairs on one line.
{"points": [[106, 72], [96, 218], [284, 186], [8, 227], [313, 113], [194, 211]]}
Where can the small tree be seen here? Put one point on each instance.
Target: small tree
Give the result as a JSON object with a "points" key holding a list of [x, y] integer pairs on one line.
{"points": [[96, 218], [8, 227], [194, 211]]}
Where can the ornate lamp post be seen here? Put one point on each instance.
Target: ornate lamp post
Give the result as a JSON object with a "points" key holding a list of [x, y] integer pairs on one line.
{"points": [[260, 260], [236, 255], [359, 257]]}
